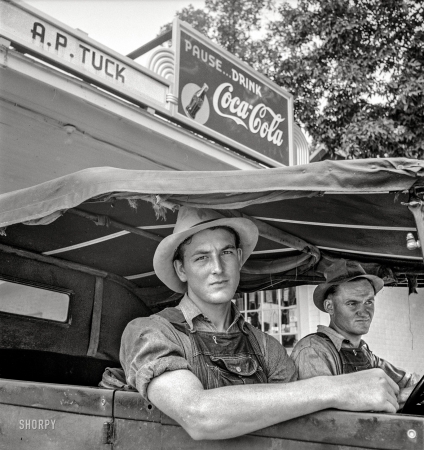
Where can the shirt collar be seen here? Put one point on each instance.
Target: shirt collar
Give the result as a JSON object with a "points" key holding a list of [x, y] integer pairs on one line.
{"points": [[337, 339], [191, 311]]}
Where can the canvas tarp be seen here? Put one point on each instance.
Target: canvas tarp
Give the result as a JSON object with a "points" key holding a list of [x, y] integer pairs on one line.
{"points": [[307, 215]]}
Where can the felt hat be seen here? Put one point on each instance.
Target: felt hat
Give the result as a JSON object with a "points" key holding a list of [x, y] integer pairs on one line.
{"points": [[343, 271], [189, 222]]}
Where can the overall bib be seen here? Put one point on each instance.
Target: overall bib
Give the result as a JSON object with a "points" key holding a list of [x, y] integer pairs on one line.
{"points": [[222, 359]]}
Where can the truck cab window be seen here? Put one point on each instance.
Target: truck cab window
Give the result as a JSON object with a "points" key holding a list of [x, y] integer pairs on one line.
{"points": [[31, 301]]}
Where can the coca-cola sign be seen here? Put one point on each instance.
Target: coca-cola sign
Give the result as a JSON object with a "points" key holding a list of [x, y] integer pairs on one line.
{"points": [[255, 119], [225, 99]]}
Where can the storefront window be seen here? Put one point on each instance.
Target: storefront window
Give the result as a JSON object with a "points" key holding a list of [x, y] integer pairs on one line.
{"points": [[275, 312]]}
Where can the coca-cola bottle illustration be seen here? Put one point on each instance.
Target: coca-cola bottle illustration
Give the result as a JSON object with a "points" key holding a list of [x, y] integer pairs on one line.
{"points": [[197, 101]]}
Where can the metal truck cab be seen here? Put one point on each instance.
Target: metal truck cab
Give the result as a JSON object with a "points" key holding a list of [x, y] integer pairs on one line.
{"points": [[50, 399], [76, 267]]}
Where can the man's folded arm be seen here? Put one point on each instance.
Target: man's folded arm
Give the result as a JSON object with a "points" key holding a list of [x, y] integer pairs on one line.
{"points": [[232, 411]]}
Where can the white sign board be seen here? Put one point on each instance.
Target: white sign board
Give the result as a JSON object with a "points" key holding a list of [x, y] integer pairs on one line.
{"points": [[70, 49]]}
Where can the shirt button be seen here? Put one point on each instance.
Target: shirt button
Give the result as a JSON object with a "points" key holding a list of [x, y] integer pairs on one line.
{"points": [[238, 369]]}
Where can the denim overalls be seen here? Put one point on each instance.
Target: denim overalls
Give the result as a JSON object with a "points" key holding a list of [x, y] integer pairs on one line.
{"points": [[222, 359]]}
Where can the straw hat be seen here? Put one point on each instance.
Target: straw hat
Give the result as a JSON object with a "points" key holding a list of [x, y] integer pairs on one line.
{"points": [[190, 221], [341, 272]]}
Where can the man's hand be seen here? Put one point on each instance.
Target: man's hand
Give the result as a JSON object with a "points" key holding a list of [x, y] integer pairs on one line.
{"points": [[404, 394], [368, 390]]}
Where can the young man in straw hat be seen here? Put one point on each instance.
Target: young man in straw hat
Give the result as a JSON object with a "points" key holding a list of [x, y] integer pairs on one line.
{"points": [[348, 297], [203, 365]]}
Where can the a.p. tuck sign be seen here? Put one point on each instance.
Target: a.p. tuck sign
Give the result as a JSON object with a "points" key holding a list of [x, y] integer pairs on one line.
{"points": [[222, 97]]}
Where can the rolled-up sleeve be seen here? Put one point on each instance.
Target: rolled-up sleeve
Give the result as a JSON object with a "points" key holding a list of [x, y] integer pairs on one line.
{"points": [[149, 348], [400, 377]]}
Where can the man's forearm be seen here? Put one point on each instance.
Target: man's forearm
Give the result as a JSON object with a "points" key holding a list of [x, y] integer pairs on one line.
{"points": [[235, 410]]}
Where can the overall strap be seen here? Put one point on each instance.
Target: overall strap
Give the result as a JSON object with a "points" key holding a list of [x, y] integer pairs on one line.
{"points": [[336, 354]]}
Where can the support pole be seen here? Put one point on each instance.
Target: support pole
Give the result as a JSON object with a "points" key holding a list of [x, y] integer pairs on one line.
{"points": [[150, 45]]}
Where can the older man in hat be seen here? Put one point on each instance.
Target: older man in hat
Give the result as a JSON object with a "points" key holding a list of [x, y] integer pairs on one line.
{"points": [[348, 297], [208, 369]]}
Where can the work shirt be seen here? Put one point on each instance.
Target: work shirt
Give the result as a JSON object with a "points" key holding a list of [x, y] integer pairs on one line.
{"points": [[315, 356], [151, 346]]}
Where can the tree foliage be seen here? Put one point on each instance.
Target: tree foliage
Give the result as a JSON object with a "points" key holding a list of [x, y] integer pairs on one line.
{"points": [[356, 70], [233, 24], [355, 67], [199, 19]]}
